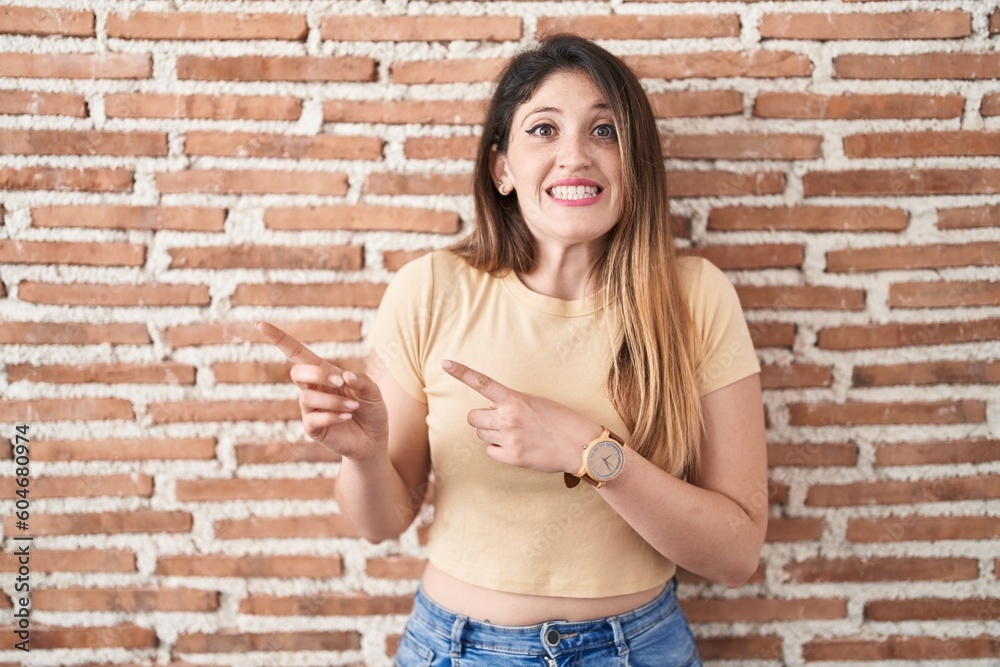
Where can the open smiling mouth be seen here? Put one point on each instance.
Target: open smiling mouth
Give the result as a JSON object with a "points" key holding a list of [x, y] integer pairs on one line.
{"points": [[574, 192]]}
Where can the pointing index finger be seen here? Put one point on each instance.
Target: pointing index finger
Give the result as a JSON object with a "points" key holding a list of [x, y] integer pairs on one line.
{"points": [[292, 348], [481, 382]]}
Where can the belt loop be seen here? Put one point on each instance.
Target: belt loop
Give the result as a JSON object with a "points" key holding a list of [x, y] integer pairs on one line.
{"points": [[456, 637], [620, 642]]}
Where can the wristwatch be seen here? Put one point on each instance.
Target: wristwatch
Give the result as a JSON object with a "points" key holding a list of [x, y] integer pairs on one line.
{"points": [[603, 460]]}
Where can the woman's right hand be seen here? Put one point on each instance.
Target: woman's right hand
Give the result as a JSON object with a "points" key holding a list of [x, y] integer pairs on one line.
{"points": [[341, 411]]}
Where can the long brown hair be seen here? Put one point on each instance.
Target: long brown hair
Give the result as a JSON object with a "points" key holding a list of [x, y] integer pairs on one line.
{"points": [[652, 381]]}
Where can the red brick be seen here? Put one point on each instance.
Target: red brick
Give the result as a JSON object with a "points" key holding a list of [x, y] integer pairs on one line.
{"points": [[901, 182], [420, 28], [750, 256], [255, 488], [122, 635], [995, 22], [92, 294], [215, 107], [917, 649], [717, 64], [943, 295], [857, 106], [808, 218], [418, 184], [156, 373], [793, 530], [72, 252], [83, 142], [363, 295], [362, 217], [254, 372], [457, 70], [990, 105], [56, 178], [748, 647], [929, 372], [693, 103], [724, 183], [930, 609], [107, 523], [918, 144], [893, 493], [316, 257], [923, 529], [772, 334], [969, 217], [628, 26], [221, 333], [918, 66], [900, 25], [310, 527], [777, 492], [856, 337], [73, 333], [89, 487], [223, 411], [42, 104], [130, 599], [275, 68], [742, 146], [859, 413], [181, 218], [299, 147], [189, 26], [77, 65], [65, 409], [394, 260], [812, 454], [72, 560], [395, 567], [123, 449], [800, 297], [283, 452], [440, 148], [45, 21], [783, 376], [260, 181], [398, 112], [931, 453], [821, 570], [755, 610], [243, 642], [913, 257], [284, 567], [327, 604]]}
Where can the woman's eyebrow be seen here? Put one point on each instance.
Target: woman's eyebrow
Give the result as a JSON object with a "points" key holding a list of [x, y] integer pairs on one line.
{"points": [[600, 106]]}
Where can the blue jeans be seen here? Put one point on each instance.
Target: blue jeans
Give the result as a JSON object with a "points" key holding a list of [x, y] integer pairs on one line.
{"points": [[654, 635]]}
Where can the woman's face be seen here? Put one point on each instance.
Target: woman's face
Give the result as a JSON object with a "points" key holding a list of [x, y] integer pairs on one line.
{"points": [[563, 162]]}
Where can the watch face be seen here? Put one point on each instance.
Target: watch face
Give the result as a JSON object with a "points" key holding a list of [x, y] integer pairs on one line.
{"points": [[605, 460]]}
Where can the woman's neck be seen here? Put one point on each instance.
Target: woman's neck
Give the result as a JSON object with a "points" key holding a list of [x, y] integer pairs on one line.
{"points": [[563, 272]]}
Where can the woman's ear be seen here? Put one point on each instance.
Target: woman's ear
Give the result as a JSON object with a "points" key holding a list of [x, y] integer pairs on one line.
{"points": [[500, 171]]}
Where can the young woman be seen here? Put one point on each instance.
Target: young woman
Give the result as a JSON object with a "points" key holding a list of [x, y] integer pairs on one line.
{"points": [[563, 340]]}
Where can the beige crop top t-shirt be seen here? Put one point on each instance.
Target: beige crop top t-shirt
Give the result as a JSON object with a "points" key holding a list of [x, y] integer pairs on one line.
{"points": [[508, 528]]}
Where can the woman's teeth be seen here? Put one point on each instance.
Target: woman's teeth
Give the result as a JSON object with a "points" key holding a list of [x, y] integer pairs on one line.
{"points": [[574, 191]]}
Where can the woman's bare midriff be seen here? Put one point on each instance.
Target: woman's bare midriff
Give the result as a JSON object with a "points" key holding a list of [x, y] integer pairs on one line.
{"points": [[503, 608]]}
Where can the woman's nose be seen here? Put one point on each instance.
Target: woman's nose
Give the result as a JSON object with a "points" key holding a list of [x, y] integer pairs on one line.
{"points": [[574, 152]]}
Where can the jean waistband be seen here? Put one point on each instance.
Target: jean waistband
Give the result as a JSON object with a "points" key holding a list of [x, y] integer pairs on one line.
{"points": [[551, 636]]}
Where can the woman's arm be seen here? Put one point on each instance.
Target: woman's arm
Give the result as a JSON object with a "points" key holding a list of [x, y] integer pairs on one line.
{"points": [[382, 494], [713, 526]]}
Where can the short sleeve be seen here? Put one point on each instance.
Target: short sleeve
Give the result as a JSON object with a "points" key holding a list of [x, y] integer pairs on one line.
{"points": [[728, 350], [399, 334]]}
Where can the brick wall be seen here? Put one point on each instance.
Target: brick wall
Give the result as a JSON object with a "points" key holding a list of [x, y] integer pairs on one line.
{"points": [[171, 175]]}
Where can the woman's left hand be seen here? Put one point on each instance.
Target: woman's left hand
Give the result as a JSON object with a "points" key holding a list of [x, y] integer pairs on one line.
{"points": [[524, 430]]}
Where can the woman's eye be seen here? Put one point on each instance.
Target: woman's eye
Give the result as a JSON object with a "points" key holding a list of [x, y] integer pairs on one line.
{"points": [[539, 127], [610, 130]]}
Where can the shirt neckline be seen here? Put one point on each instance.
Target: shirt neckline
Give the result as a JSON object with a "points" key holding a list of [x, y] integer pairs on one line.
{"points": [[550, 304]]}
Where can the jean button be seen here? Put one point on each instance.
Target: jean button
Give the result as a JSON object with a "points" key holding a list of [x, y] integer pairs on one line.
{"points": [[552, 637]]}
